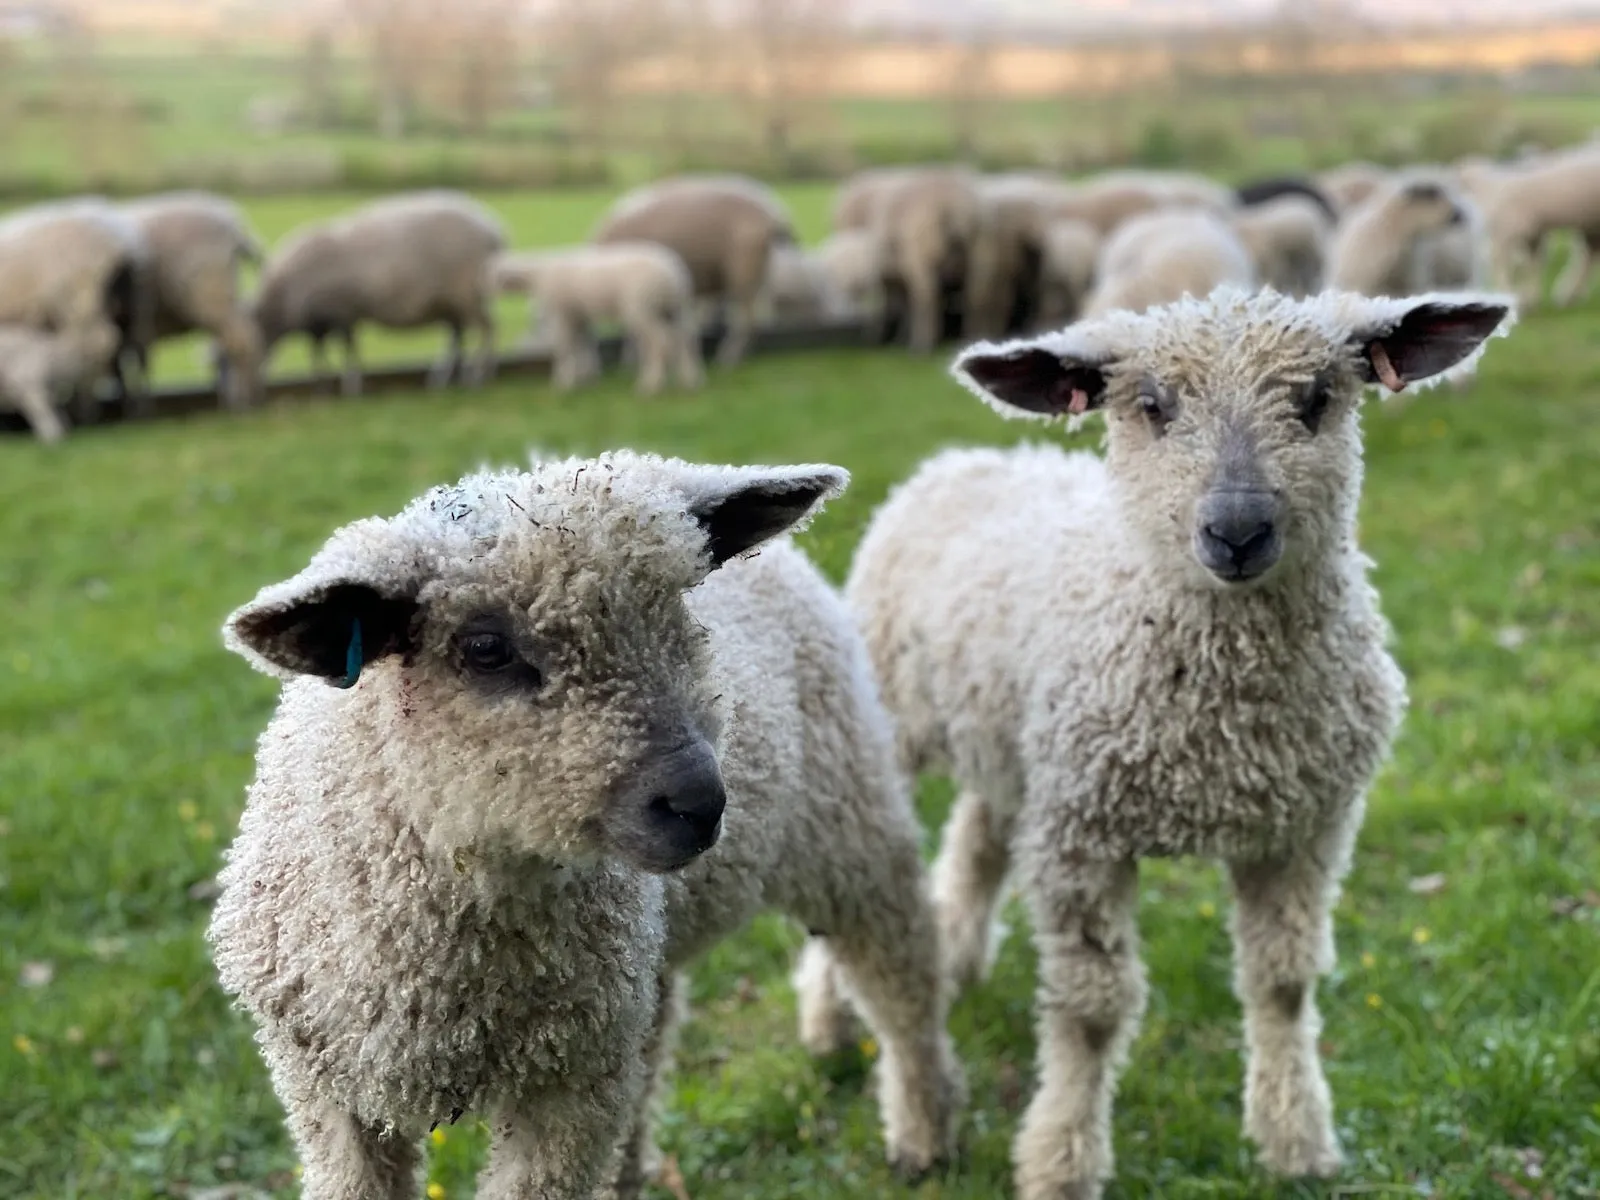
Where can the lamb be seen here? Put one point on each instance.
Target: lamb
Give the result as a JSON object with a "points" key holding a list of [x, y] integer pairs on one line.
{"points": [[798, 287], [857, 199], [1287, 238], [852, 263], [403, 262], [1526, 203], [197, 243], [39, 370], [1372, 250], [643, 286], [1173, 650], [483, 838], [723, 227], [1165, 255], [67, 267], [1066, 270], [1349, 185]]}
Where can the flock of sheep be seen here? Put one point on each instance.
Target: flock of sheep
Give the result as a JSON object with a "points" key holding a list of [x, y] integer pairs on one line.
{"points": [[549, 734], [918, 253]]}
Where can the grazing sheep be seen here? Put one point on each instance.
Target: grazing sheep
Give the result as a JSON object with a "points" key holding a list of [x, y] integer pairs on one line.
{"points": [[929, 222], [1107, 201], [1373, 247], [197, 243], [1173, 650], [852, 263], [39, 370], [1264, 191], [798, 287], [1165, 255], [1524, 204], [403, 262], [641, 286], [1351, 184], [723, 227], [69, 266], [1005, 276], [1287, 238], [1070, 250], [483, 838], [855, 203]]}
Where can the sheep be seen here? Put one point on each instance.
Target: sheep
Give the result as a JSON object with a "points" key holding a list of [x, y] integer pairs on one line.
{"points": [[643, 286], [1527, 202], [1068, 255], [1373, 246], [197, 243], [1264, 191], [1349, 185], [1163, 255], [66, 267], [405, 261], [724, 227], [857, 199], [470, 872], [38, 370], [852, 264], [1005, 274], [1107, 201], [929, 222], [1173, 650], [798, 287], [1287, 238]]}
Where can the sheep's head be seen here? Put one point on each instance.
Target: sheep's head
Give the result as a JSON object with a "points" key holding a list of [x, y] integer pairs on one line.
{"points": [[1233, 436], [524, 669], [1426, 202]]}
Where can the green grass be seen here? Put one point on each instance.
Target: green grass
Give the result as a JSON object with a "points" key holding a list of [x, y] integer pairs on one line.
{"points": [[1463, 1027]]}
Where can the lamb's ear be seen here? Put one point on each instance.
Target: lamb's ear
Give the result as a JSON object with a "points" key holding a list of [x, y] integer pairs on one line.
{"points": [[323, 622], [1409, 341], [740, 509], [1026, 379]]}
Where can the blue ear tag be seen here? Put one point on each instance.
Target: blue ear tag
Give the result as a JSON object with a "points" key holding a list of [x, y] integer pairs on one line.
{"points": [[352, 656]]}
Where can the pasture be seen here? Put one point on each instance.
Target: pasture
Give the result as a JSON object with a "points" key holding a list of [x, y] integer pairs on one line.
{"points": [[1462, 1026]]}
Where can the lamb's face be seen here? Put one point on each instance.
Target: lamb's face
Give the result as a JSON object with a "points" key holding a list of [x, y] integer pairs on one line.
{"points": [[527, 655], [1428, 205], [1233, 437]]}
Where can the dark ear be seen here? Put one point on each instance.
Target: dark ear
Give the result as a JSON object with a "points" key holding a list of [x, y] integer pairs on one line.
{"points": [[1428, 339], [1031, 380], [331, 630], [746, 508]]}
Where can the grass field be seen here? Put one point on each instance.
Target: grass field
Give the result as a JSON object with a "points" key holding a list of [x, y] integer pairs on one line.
{"points": [[1463, 1024]]}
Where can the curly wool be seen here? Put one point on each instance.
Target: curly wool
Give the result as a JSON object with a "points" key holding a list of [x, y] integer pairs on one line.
{"points": [[417, 910]]}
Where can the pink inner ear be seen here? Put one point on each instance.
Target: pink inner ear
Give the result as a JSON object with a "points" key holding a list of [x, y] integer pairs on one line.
{"points": [[1079, 402], [1384, 369]]}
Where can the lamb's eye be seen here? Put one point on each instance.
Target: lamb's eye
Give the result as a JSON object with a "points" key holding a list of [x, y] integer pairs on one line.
{"points": [[1314, 400], [487, 652]]}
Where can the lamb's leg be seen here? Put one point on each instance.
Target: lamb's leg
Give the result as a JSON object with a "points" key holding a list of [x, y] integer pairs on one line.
{"points": [[654, 340], [827, 1021], [1090, 998], [638, 1160], [345, 1160], [1283, 940], [741, 315], [487, 364], [351, 383], [974, 855], [555, 1149], [926, 313], [1574, 280], [686, 348], [239, 374], [879, 929]]}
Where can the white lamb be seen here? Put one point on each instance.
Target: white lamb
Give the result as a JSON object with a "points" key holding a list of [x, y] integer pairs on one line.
{"points": [[483, 838], [1527, 202], [1173, 650], [1375, 248], [38, 370], [1288, 238], [1165, 255], [641, 286]]}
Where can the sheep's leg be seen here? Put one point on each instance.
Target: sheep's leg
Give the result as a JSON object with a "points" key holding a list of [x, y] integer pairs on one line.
{"points": [[638, 1159], [487, 364], [827, 1020], [736, 338], [974, 856], [926, 308], [239, 374], [34, 403], [345, 1160], [1574, 280], [654, 339], [554, 1149], [880, 933], [1090, 998], [686, 348], [1283, 940], [450, 363], [320, 373], [351, 383]]}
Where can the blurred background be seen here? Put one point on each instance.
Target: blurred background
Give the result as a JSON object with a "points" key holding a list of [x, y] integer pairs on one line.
{"points": [[252, 96]]}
